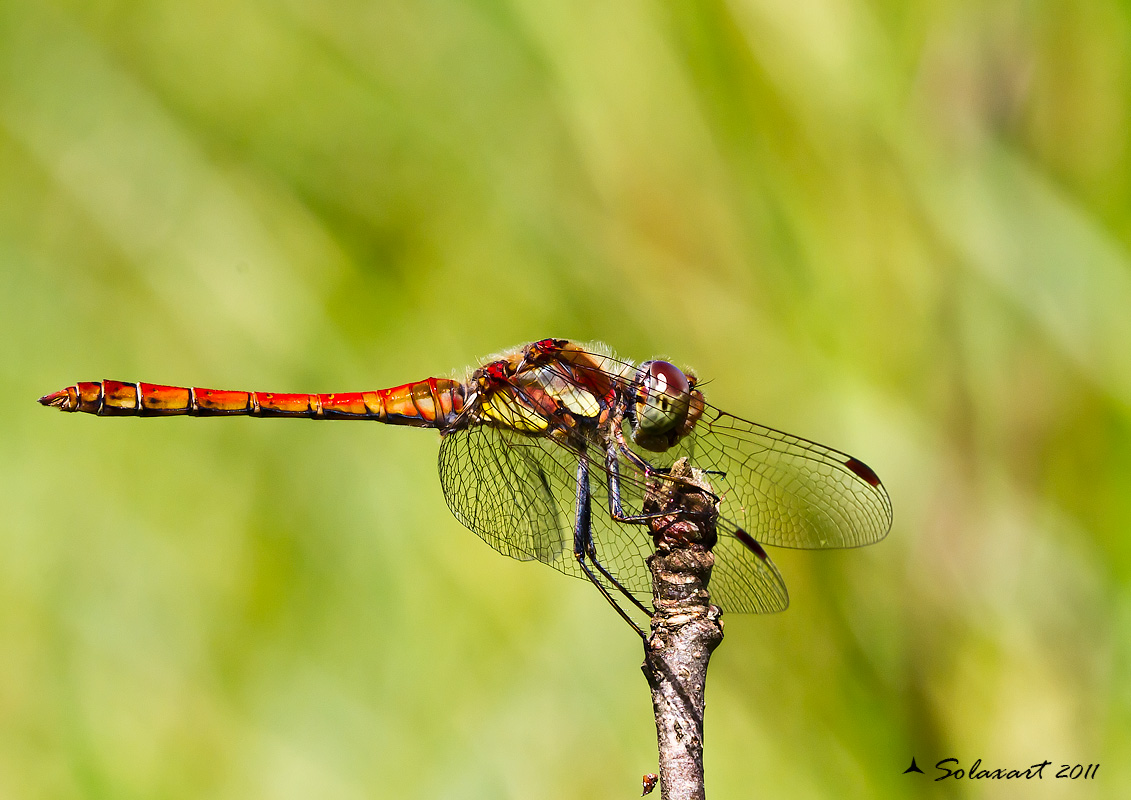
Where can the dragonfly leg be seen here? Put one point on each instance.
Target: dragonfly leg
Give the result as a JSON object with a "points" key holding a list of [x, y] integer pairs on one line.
{"points": [[618, 448], [616, 507], [592, 555], [666, 470], [583, 547], [590, 548], [605, 593], [587, 545]]}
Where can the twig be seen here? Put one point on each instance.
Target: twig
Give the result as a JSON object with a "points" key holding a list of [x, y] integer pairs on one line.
{"points": [[685, 627]]}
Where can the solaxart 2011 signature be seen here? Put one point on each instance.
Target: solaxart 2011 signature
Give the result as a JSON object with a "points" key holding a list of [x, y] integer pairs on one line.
{"points": [[977, 772]]}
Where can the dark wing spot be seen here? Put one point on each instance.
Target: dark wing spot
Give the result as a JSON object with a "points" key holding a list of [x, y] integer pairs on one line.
{"points": [[751, 545], [862, 471]]}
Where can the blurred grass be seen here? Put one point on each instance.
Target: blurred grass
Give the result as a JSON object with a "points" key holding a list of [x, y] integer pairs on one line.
{"points": [[899, 229]]}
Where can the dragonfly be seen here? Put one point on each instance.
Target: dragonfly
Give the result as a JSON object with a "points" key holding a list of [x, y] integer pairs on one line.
{"points": [[540, 435]]}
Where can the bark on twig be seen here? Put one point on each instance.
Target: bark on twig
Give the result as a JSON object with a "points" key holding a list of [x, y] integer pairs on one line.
{"points": [[686, 628]]}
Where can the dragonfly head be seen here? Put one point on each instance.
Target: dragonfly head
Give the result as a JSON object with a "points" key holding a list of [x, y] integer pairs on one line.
{"points": [[663, 405]]}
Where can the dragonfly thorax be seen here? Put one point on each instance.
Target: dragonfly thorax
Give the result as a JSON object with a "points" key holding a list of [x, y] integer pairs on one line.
{"points": [[535, 399]]}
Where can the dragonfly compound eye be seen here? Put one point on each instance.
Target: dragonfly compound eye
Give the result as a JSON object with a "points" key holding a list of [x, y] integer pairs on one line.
{"points": [[663, 395]]}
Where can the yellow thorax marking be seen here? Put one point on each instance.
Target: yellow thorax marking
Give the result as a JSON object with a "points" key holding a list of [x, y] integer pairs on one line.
{"points": [[574, 399], [515, 411], [508, 411]]}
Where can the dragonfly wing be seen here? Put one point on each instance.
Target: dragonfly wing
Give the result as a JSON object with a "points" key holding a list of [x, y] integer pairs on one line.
{"points": [[500, 484], [788, 491], [745, 580], [519, 494]]}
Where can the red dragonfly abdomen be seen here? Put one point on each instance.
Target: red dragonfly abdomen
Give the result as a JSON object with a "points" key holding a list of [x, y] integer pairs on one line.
{"points": [[430, 403]]}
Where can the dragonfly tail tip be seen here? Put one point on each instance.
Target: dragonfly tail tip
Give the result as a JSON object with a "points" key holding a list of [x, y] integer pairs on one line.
{"points": [[56, 399]]}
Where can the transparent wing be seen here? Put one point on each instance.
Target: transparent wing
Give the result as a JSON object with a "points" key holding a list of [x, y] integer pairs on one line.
{"points": [[518, 493], [787, 491], [745, 580], [501, 485]]}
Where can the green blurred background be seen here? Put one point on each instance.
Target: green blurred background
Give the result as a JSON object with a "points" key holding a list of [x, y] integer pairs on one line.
{"points": [[899, 229]]}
